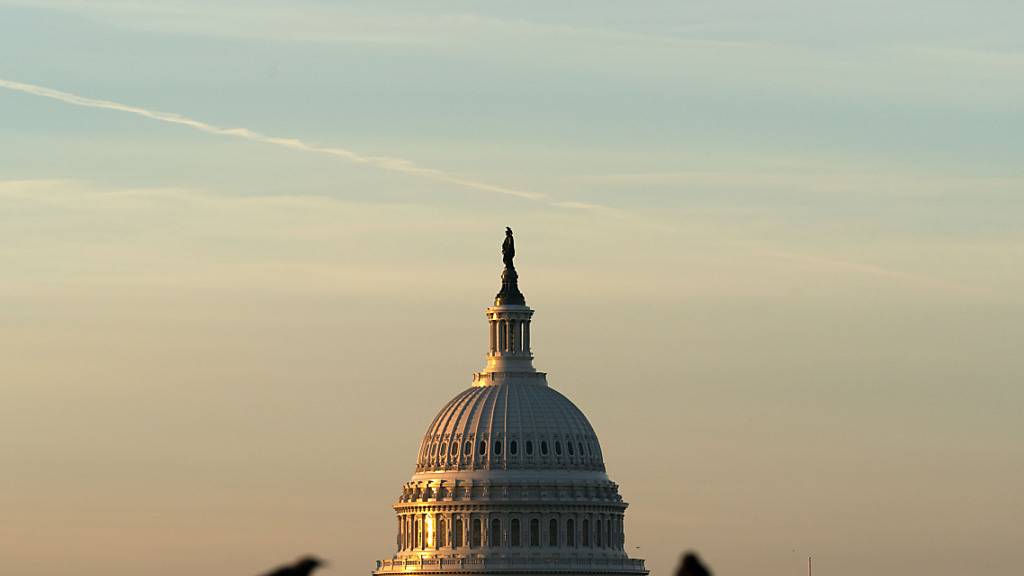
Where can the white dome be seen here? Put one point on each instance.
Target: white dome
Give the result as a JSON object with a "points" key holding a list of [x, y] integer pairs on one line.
{"points": [[513, 424], [510, 478]]}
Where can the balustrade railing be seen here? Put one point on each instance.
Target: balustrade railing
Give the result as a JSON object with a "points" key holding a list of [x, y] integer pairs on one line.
{"points": [[631, 565]]}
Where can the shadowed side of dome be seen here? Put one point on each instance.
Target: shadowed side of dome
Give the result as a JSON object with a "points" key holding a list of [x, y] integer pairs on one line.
{"points": [[511, 425]]}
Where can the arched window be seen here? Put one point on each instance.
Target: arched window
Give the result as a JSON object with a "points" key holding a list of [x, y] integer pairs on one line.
{"points": [[558, 448], [586, 532], [529, 447], [544, 447], [513, 448], [534, 532], [483, 447], [608, 533], [581, 448], [442, 537], [597, 533], [433, 449], [454, 448], [497, 447], [476, 534], [553, 532], [494, 538], [569, 446], [444, 449], [467, 449], [460, 534], [570, 531], [513, 532], [419, 533]]}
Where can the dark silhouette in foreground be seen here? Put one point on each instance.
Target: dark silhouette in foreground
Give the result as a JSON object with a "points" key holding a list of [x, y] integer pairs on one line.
{"points": [[692, 566], [304, 567]]}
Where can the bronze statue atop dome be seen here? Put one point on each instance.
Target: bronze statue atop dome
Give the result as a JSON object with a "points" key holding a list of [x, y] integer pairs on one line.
{"points": [[509, 293], [508, 248]]}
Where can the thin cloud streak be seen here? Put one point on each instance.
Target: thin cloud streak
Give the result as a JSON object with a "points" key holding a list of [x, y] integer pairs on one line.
{"points": [[408, 167], [861, 268], [83, 195], [381, 162]]}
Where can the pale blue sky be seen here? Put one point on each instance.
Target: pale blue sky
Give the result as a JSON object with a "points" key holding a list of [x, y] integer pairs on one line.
{"points": [[775, 252]]}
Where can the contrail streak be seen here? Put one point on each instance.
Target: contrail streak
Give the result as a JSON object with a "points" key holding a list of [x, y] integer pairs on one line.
{"points": [[407, 167], [381, 162]]}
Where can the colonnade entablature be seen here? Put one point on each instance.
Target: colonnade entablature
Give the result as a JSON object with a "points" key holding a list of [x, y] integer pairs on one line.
{"points": [[491, 491]]}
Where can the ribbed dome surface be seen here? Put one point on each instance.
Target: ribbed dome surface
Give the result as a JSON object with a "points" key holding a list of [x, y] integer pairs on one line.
{"points": [[510, 425]]}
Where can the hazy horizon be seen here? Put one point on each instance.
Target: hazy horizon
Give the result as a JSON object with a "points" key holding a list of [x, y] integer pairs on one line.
{"points": [[774, 253]]}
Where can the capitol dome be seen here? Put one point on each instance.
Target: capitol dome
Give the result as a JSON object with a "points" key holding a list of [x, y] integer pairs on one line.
{"points": [[510, 476]]}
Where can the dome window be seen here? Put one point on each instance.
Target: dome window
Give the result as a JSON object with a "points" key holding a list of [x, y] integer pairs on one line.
{"points": [[494, 538], [476, 534], [497, 447], [544, 447], [513, 448], [433, 450], [569, 446], [529, 447], [444, 449], [581, 449], [467, 449], [483, 447], [454, 448], [558, 447]]}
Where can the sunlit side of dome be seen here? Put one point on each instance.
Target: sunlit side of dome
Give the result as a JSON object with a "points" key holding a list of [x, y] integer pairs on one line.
{"points": [[510, 426]]}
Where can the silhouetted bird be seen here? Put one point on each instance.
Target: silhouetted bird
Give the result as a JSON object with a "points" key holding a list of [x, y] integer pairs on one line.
{"points": [[692, 566], [304, 567]]}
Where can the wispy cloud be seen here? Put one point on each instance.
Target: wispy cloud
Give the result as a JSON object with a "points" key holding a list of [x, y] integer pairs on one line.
{"points": [[381, 162], [410, 168], [142, 215], [817, 175], [859, 267]]}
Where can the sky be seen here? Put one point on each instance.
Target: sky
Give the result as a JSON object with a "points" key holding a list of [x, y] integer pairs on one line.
{"points": [[774, 249]]}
